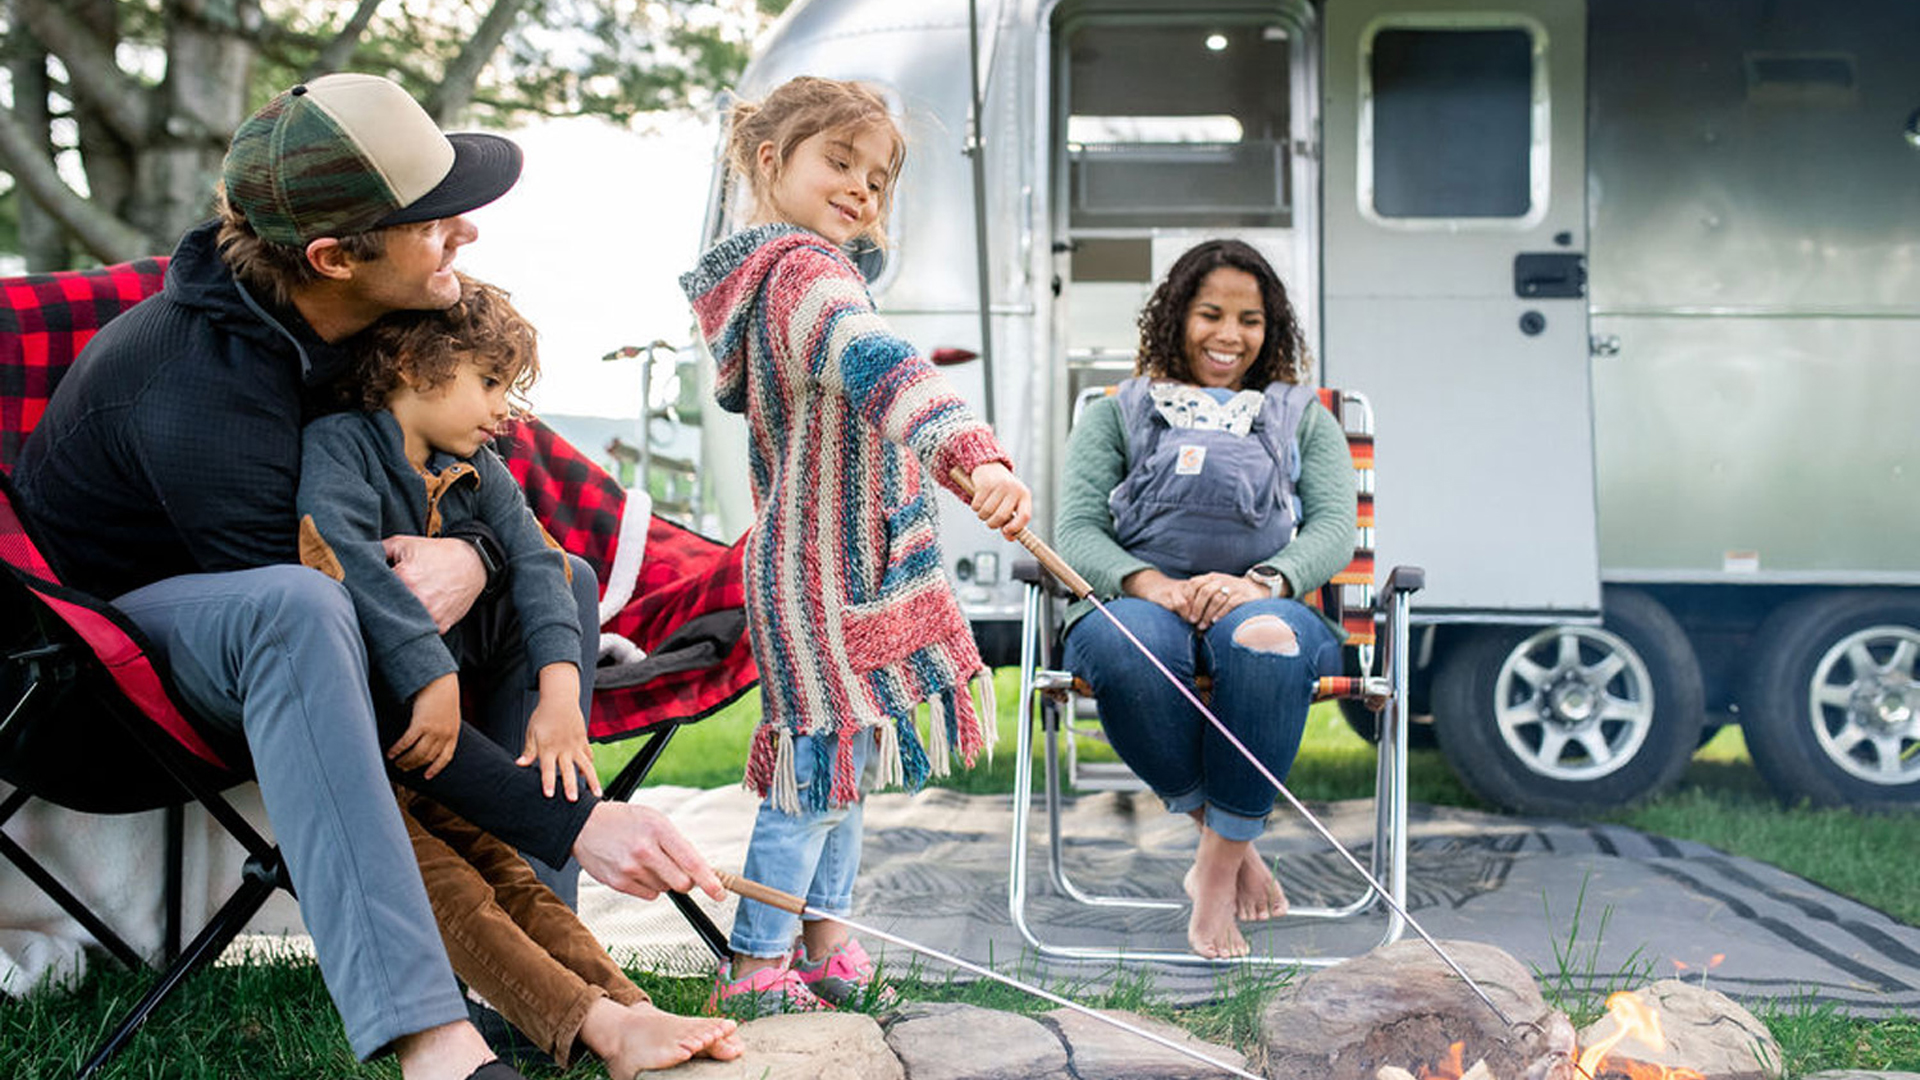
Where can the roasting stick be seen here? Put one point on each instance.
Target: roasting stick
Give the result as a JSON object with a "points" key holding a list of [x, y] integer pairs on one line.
{"points": [[1078, 585], [772, 897]]}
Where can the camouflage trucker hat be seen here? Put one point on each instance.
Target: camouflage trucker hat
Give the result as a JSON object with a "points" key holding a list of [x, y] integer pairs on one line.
{"points": [[349, 153]]}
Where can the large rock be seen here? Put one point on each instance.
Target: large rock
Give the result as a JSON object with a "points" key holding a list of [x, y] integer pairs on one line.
{"points": [[1103, 1052], [802, 1046], [951, 1041], [1705, 1030], [1401, 1005]]}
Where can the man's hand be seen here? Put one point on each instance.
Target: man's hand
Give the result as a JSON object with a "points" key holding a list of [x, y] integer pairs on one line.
{"points": [[557, 734], [444, 573], [1001, 500], [636, 850], [429, 740]]}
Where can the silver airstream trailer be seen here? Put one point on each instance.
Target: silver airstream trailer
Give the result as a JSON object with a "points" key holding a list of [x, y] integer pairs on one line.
{"points": [[1633, 285]]}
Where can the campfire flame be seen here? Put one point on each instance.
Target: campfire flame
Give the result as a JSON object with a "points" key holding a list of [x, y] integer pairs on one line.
{"points": [[1632, 1018]]}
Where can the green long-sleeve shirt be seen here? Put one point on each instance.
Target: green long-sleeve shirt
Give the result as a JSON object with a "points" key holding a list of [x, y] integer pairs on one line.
{"points": [[1096, 462]]}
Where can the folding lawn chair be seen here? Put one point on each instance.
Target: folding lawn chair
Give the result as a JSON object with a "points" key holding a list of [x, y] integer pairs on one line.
{"points": [[69, 662], [1060, 704]]}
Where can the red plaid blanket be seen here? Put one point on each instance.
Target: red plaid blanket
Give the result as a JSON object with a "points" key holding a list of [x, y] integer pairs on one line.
{"points": [[685, 579]]}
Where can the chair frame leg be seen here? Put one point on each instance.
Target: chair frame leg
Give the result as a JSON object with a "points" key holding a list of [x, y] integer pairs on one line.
{"points": [[621, 789], [44, 880], [1042, 694]]}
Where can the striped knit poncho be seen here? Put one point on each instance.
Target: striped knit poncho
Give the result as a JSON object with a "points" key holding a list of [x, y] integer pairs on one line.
{"points": [[853, 623]]}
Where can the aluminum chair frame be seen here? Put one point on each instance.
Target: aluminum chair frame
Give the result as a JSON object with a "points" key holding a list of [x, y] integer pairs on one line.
{"points": [[1048, 698]]}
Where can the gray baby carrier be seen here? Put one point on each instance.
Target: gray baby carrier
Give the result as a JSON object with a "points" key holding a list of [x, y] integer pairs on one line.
{"points": [[1205, 501]]}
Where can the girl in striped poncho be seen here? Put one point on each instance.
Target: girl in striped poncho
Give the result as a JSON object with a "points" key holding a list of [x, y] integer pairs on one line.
{"points": [[852, 620]]}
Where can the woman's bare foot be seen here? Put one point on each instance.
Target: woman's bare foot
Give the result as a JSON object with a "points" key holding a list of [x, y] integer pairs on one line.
{"points": [[634, 1038], [1257, 893], [1211, 930]]}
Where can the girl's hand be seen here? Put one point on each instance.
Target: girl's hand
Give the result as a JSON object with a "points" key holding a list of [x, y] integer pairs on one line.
{"points": [[1213, 595], [557, 735], [1001, 500], [1157, 588], [435, 729]]}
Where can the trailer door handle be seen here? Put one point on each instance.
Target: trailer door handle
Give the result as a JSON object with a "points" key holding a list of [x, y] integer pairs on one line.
{"points": [[1550, 275]]}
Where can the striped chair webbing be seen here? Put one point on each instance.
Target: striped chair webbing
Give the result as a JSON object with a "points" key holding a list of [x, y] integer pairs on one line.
{"points": [[1349, 597]]}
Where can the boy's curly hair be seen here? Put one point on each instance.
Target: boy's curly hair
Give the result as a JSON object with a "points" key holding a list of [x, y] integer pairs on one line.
{"points": [[429, 346], [1163, 322]]}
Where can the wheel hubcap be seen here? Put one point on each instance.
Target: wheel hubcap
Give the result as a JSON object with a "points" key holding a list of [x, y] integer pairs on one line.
{"points": [[1574, 702], [1864, 704]]}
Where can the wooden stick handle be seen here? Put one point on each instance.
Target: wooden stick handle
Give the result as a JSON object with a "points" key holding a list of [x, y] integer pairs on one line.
{"points": [[1049, 558], [753, 890]]}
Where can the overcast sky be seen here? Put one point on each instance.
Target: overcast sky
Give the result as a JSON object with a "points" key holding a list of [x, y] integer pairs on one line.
{"points": [[590, 242]]}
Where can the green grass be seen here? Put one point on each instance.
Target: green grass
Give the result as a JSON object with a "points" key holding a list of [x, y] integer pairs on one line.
{"points": [[271, 1018]]}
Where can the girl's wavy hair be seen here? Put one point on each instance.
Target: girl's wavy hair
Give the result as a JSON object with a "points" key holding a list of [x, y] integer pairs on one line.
{"points": [[427, 347], [1163, 322], [796, 111]]}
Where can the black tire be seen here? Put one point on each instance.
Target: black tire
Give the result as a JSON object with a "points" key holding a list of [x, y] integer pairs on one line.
{"points": [[1571, 719], [1831, 703]]}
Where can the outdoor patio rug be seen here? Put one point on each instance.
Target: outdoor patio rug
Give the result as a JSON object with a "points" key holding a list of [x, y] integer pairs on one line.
{"points": [[1557, 895]]}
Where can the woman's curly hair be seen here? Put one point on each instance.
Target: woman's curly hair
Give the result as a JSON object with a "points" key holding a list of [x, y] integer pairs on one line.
{"points": [[429, 346], [1163, 321]]}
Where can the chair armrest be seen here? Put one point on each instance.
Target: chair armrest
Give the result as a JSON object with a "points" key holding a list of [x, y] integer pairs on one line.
{"points": [[1029, 572], [1407, 579]]}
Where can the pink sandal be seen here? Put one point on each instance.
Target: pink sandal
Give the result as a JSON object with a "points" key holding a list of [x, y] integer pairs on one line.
{"points": [[766, 992], [844, 975]]}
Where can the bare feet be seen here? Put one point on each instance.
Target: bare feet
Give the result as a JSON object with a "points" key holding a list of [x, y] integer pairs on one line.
{"points": [[1257, 893], [448, 1052], [1211, 930], [643, 1037]]}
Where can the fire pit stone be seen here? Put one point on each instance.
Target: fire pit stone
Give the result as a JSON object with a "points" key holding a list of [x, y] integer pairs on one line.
{"points": [[1401, 1006], [1706, 1031]]}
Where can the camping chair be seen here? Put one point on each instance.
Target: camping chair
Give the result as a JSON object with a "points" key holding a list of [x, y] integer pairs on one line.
{"points": [[67, 659], [69, 664], [1061, 706]]}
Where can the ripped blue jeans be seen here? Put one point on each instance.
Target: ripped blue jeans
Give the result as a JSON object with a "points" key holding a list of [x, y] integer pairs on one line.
{"points": [[1261, 695]]}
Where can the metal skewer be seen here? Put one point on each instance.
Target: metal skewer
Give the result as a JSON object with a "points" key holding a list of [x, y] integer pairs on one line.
{"points": [[772, 897], [1058, 567]]}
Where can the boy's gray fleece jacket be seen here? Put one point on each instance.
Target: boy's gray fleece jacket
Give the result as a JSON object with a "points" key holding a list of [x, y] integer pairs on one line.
{"points": [[357, 488]]}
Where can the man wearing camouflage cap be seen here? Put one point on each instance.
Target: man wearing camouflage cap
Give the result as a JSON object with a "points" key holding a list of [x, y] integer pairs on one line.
{"points": [[163, 475]]}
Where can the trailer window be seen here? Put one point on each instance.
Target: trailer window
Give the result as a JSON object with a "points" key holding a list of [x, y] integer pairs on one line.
{"points": [[1177, 124], [1450, 122]]}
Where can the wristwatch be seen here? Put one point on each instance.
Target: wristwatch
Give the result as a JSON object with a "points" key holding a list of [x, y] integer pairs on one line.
{"points": [[491, 561], [1273, 579]]}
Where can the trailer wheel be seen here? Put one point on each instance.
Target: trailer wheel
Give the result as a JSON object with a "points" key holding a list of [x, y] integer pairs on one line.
{"points": [[1831, 704], [1571, 719]]}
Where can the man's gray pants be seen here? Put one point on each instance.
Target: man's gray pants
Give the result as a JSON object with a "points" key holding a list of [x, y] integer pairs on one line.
{"points": [[274, 654]]}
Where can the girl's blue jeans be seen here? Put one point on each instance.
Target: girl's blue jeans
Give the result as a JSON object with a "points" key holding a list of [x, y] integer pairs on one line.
{"points": [[815, 853], [1261, 695]]}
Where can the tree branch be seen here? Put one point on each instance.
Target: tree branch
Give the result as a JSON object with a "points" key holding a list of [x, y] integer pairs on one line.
{"points": [[333, 56], [455, 91], [120, 100], [104, 236]]}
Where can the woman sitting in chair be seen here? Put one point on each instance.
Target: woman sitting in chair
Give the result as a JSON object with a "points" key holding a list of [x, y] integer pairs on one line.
{"points": [[1205, 495]]}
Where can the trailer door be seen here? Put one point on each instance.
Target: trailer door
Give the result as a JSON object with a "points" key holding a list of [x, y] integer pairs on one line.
{"points": [[1454, 289]]}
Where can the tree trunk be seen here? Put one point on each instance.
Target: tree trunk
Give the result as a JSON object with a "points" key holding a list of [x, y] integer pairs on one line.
{"points": [[43, 242], [209, 71]]}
